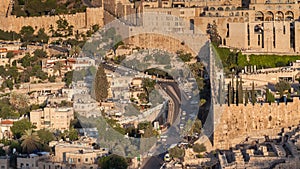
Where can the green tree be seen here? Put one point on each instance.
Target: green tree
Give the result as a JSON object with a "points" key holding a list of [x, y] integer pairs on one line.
{"points": [[8, 84], [113, 162], [95, 28], [246, 97], [27, 34], [101, 84], [185, 57], [196, 127], [199, 148], [45, 136], [253, 94], [240, 91], [39, 53], [269, 96], [73, 134], [176, 152], [42, 37], [30, 141], [148, 85], [68, 78], [19, 127], [212, 30], [10, 55], [282, 87]]}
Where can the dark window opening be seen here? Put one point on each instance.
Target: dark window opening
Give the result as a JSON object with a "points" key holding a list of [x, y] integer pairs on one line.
{"points": [[274, 38]]}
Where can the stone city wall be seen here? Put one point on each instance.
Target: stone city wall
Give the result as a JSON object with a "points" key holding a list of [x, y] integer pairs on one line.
{"points": [[236, 123], [84, 20]]}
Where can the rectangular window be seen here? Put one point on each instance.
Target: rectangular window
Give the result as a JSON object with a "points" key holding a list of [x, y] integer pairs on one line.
{"points": [[274, 38], [248, 32], [227, 35]]}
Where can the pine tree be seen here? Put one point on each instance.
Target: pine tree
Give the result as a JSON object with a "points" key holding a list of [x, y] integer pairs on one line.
{"points": [[101, 84]]}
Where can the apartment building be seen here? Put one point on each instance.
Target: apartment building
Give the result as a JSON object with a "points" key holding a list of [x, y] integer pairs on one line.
{"points": [[52, 118]]}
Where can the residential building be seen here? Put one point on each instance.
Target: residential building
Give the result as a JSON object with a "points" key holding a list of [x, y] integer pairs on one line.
{"points": [[52, 118]]}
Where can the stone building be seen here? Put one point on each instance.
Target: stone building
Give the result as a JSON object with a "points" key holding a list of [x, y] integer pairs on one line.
{"points": [[77, 154], [80, 21], [52, 118], [236, 123], [4, 162], [256, 26]]}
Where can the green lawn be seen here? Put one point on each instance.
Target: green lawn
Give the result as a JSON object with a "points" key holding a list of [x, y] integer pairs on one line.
{"points": [[265, 61]]}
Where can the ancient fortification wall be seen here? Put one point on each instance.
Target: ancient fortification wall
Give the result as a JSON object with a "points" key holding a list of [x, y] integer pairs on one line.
{"points": [[84, 20], [238, 122]]}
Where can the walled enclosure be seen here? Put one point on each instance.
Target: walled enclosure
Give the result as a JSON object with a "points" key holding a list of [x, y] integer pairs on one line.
{"points": [[239, 122], [80, 21]]}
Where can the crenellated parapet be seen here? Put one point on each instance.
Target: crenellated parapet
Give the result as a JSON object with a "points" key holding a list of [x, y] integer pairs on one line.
{"points": [[82, 20], [239, 122]]}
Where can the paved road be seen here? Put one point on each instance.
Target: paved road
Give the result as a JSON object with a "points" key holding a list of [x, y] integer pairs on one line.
{"points": [[155, 162]]}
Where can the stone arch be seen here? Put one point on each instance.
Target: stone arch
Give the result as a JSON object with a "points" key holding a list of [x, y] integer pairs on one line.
{"points": [[227, 9], [233, 8], [289, 16], [279, 16], [209, 14], [220, 9], [246, 14], [269, 16], [242, 20], [235, 20], [259, 16], [212, 8], [231, 14], [229, 20], [237, 14], [217, 14]]}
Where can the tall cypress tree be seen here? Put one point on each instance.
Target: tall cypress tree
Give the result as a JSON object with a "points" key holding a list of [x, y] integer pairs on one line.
{"points": [[240, 91], [246, 97], [229, 94], [253, 97], [237, 91], [101, 84]]}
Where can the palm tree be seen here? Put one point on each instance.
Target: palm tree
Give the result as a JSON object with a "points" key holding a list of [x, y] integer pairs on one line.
{"points": [[30, 141]]}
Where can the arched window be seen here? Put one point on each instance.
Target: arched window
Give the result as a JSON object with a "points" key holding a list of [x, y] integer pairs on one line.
{"points": [[212, 8], [279, 16], [289, 16], [235, 20], [220, 9], [227, 9], [229, 20], [259, 16], [242, 20], [269, 16]]}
